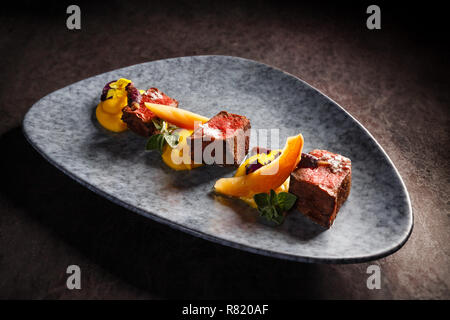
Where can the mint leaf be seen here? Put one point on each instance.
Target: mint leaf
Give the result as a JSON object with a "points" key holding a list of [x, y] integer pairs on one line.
{"points": [[269, 213], [285, 200], [273, 194], [271, 205], [166, 135], [272, 197], [172, 139], [267, 208], [157, 123], [261, 200], [171, 128], [161, 144], [155, 142], [278, 218]]}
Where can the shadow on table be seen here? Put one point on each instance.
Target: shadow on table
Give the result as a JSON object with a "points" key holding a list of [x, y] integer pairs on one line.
{"points": [[166, 262]]}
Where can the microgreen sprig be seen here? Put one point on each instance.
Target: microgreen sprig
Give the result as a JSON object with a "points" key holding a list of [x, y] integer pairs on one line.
{"points": [[167, 135], [272, 205]]}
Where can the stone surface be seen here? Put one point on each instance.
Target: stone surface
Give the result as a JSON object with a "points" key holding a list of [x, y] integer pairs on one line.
{"points": [[395, 86]]}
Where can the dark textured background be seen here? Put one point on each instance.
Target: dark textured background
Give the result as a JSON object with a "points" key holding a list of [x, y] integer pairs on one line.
{"points": [[394, 81]]}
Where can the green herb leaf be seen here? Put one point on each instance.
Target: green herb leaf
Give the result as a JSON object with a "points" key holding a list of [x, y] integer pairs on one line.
{"points": [[172, 139], [162, 141], [286, 200], [273, 196], [171, 128], [155, 142], [157, 123], [269, 213], [262, 200], [278, 218], [272, 205], [166, 135]]}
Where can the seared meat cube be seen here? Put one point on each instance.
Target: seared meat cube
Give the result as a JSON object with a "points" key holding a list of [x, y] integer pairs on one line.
{"points": [[223, 140], [137, 116], [322, 184]]}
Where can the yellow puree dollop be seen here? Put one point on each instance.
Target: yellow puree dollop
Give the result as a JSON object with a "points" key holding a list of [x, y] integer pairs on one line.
{"points": [[179, 158], [109, 112]]}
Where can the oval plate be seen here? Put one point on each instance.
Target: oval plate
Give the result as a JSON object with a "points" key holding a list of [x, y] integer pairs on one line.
{"points": [[375, 221]]}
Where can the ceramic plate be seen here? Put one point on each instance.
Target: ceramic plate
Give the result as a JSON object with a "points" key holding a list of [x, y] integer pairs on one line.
{"points": [[375, 221]]}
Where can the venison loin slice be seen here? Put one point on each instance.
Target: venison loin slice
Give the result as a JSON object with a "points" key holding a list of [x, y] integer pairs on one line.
{"points": [[137, 116], [223, 140], [321, 182]]}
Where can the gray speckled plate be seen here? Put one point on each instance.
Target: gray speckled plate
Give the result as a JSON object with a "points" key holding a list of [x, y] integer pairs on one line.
{"points": [[375, 221]]}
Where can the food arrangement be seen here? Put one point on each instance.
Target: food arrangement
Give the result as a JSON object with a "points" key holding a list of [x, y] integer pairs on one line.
{"points": [[271, 181]]}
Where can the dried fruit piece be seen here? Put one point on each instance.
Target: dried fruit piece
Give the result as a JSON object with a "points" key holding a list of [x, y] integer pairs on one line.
{"points": [[267, 177], [257, 158], [179, 117]]}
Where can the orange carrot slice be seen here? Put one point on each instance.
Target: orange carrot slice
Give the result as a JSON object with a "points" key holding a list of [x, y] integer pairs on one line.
{"points": [[179, 117], [270, 176]]}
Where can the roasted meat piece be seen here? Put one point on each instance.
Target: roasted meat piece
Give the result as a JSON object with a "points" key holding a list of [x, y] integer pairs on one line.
{"points": [[137, 116], [223, 140], [322, 184]]}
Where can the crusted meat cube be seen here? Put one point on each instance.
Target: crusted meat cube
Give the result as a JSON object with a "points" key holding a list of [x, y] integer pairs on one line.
{"points": [[137, 116], [223, 140], [321, 182]]}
